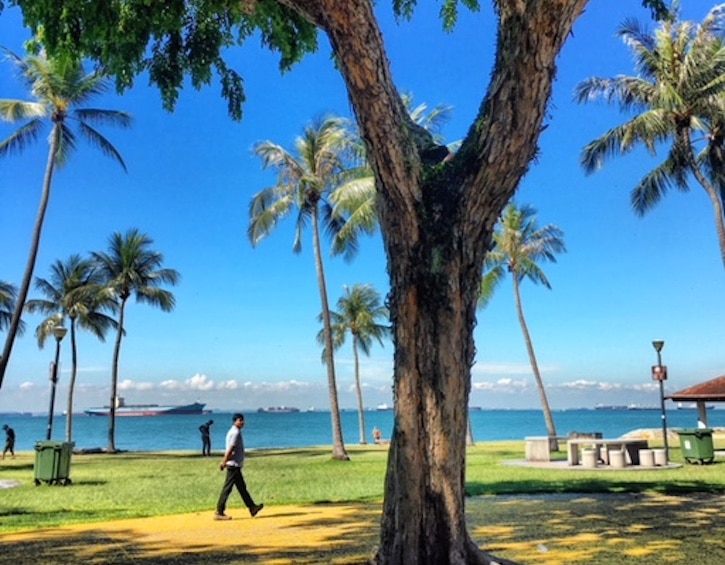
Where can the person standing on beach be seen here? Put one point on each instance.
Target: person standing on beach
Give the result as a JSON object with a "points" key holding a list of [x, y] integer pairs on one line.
{"points": [[233, 462], [9, 441], [205, 430]]}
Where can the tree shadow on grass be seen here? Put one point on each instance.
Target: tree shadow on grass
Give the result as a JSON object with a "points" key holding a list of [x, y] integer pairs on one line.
{"points": [[567, 484], [601, 528]]}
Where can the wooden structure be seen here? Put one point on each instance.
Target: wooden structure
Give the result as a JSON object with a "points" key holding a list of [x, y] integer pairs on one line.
{"points": [[701, 394]]}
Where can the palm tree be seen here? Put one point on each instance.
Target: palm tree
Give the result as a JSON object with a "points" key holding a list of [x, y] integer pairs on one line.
{"points": [[59, 86], [130, 268], [679, 90], [355, 200], [304, 184], [72, 291], [358, 312], [8, 294], [518, 244]]}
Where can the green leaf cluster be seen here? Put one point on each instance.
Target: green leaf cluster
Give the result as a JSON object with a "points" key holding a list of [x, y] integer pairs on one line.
{"points": [[169, 40]]}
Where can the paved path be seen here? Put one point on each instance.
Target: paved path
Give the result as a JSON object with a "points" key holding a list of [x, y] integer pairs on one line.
{"points": [[277, 535]]}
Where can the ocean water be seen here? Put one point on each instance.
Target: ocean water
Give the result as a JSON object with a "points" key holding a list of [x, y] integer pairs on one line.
{"points": [[303, 429]]}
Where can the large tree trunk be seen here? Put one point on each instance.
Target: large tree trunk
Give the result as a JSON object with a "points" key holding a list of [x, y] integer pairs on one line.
{"points": [[32, 254], [437, 222], [338, 445], [548, 418]]}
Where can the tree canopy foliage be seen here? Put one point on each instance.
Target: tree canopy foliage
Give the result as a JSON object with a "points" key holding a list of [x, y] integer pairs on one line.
{"points": [[178, 38]]}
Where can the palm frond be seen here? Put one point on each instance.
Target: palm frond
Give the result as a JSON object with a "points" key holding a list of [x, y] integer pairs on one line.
{"points": [[648, 129], [96, 139], [490, 281], [17, 142], [672, 173], [97, 116], [66, 143], [519, 244], [266, 209], [18, 110]]}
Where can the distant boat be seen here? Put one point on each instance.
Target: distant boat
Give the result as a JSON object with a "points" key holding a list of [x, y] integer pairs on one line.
{"points": [[642, 407], [144, 410], [610, 407], [278, 409], [383, 407], [692, 406]]}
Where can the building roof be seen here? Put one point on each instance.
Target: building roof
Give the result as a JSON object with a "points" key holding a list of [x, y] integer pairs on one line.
{"points": [[709, 391]]}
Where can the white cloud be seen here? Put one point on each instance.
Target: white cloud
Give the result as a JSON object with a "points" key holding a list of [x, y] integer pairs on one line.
{"points": [[200, 382], [128, 384], [505, 385]]}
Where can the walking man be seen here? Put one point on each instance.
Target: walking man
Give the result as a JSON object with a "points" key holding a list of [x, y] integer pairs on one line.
{"points": [[205, 430], [9, 441], [233, 462]]}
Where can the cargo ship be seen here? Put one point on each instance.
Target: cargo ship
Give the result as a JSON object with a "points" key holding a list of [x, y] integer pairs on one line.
{"points": [[278, 410], [123, 409]]}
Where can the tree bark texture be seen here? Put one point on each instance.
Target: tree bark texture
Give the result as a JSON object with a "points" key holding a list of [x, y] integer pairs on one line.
{"points": [[437, 222]]}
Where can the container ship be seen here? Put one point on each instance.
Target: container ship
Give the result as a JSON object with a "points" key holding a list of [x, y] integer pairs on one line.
{"points": [[278, 410], [123, 409]]}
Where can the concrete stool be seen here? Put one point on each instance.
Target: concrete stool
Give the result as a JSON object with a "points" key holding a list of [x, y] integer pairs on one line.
{"points": [[589, 458], [646, 458], [660, 457], [616, 459]]}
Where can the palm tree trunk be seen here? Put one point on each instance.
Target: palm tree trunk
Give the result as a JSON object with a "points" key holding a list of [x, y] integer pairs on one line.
{"points": [[551, 429], [469, 433], [713, 194], [360, 405], [32, 255], [114, 379], [338, 446], [72, 383]]}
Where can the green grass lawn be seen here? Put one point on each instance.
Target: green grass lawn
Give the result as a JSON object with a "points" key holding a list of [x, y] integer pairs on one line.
{"points": [[634, 510]]}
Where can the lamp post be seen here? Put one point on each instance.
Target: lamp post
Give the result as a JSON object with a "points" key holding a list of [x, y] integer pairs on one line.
{"points": [[659, 373], [59, 333]]}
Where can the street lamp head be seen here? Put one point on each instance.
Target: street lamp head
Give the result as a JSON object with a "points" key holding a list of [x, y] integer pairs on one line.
{"points": [[59, 332], [658, 344]]}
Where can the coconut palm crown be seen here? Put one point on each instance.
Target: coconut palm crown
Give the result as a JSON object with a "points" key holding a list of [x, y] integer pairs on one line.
{"points": [[130, 268], [678, 98], [74, 291], [305, 181], [519, 244], [358, 312], [61, 89], [8, 294]]}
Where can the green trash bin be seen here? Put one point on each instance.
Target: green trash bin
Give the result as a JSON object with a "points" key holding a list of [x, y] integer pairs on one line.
{"points": [[696, 445], [52, 462]]}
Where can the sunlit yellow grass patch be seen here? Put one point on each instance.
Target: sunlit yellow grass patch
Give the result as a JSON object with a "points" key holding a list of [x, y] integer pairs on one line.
{"points": [[499, 531], [637, 528]]}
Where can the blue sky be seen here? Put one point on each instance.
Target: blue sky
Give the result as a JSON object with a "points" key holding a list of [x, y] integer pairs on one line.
{"points": [[243, 332]]}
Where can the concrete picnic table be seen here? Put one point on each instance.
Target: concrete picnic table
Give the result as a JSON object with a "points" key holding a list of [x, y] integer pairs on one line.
{"points": [[630, 447]]}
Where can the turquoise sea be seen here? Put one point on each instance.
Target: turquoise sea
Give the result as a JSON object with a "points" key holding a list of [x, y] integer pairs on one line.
{"points": [[302, 429]]}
